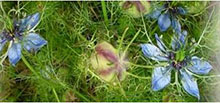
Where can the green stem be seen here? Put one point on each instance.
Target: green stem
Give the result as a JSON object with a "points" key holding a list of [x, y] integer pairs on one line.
{"points": [[55, 93], [142, 66], [139, 77], [132, 41], [122, 38], [145, 30], [104, 12], [29, 66], [121, 89], [206, 27]]}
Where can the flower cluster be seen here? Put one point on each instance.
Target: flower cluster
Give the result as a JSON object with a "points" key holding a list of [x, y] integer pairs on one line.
{"points": [[22, 35], [167, 16], [177, 61], [176, 57]]}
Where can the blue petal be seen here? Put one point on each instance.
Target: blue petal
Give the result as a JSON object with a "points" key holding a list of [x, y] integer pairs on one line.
{"points": [[34, 42], [179, 42], [182, 37], [153, 52], [164, 22], [160, 43], [161, 78], [14, 53], [189, 84], [199, 67], [29, 22], [175, 44], [155, 14], [176, 25], [181, 10]]}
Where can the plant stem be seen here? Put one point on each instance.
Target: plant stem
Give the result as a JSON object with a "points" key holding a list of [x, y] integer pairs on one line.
{"points": [[55, 93], [28, 65], [138, 76], [142, 66], [123, 35], [104, 12], [132, 41], [142, 17], [206, 27]]}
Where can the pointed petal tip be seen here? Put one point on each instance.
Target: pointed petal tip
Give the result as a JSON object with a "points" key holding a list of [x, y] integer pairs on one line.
{"points": [[189, 83], [199, 66], [161, 78]]}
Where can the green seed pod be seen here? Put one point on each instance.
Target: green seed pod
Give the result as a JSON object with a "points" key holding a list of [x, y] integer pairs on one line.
{"points": [[135, 8], [107, 62]]}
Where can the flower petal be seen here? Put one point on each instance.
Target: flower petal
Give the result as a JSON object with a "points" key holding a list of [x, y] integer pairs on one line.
{"points": [[161, 78], [160, 43], [174, 43], [199, 67], [29, 22], [14, 53], [164, 22], [189, 84], [180, 41], [181, 10], [34, 42], [155, 14], [176, 25], [182, 37], [153, 52]]}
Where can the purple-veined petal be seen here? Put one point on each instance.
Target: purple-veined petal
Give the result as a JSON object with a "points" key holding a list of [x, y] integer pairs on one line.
{"points": [[153, 52], [14, 53], [160, 43], [29, 22], [164, 22], [176, 24], [199, 67], [189, 83], [161, 78], [181, 10], [34, 42]]}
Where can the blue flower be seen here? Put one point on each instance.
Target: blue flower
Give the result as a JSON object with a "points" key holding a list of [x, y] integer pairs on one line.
{"points": [[166, 17], [22, 35], [185, 65]]}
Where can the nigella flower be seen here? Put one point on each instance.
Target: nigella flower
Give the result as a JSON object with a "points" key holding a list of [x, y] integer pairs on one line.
{"points": [[178, 61], [167, 16], [22, 35], [109, 64]]}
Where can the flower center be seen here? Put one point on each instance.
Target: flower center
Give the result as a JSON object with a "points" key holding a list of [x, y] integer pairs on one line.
{"points": [[12, 34], [177, 64]]}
